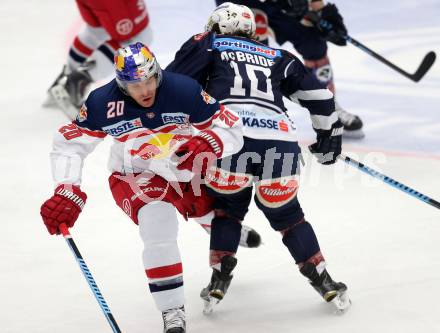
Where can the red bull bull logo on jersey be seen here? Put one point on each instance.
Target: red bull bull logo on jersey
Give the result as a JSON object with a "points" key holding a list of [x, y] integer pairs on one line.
{"points": [[158, 146]]}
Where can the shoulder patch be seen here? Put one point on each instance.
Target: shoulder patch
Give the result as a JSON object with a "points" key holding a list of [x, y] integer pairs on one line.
{"points": [[82, 114], [207, 97]]}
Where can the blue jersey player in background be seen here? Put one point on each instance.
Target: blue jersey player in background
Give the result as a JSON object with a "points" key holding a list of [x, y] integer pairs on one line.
{"points": [[251, 79], [295, 21]]}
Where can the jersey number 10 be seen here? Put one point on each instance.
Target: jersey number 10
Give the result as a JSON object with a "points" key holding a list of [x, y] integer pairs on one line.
{"points": [[251, 76]]}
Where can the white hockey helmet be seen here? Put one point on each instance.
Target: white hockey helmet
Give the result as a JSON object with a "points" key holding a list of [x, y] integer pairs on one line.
{"points": [[232, 19]]}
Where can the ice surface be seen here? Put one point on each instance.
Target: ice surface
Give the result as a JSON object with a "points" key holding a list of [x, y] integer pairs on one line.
{"points": [[382, 243]]}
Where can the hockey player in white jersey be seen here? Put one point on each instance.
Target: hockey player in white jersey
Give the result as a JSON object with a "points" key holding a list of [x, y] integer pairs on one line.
{"points": [[155, 162], [252, 79]]}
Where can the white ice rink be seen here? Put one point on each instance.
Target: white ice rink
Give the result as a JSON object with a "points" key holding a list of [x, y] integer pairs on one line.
{"points": [[381, 242]]}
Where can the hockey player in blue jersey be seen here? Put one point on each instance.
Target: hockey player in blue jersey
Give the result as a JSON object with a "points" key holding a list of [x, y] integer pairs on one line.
{"points": [[252, 79], [154, 162], [295, 21]]}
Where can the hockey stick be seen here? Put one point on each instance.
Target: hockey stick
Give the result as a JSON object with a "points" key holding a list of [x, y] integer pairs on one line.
{"points": [[90, 280], [390, 181], [423, 68]]}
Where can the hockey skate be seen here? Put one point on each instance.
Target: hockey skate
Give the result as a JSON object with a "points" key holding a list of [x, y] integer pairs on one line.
{"points": [[331, 291], [352, 124], [249, 237], [217, 288], [174, 320], [50, 100], [69, 90]]}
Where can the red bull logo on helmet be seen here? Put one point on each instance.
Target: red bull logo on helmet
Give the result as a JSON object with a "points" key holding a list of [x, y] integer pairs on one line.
{"points": [[134, 62], [147, 53]]}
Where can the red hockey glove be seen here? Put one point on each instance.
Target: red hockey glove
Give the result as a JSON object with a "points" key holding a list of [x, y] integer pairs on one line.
{"points": [[199, 152], [194, 204], [64, 207]]}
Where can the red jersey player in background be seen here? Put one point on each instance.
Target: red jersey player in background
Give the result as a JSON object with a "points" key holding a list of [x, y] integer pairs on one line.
{"points": [[109, 25]]}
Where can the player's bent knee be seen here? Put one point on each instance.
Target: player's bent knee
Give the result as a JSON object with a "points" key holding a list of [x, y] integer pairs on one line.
{"points": [[276, 193], [278, 201], [132, 192]]}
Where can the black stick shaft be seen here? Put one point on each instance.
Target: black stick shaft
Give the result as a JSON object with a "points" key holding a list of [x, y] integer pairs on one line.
{"points": [[378, 56], [423, 68]]}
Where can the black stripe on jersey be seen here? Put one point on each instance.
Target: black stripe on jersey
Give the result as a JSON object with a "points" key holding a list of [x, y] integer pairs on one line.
{"points": [[322, 107], [75, 56], [156, 288]]}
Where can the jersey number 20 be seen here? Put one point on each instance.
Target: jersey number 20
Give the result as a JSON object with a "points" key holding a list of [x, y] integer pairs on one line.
{"points": [[115, 109]]}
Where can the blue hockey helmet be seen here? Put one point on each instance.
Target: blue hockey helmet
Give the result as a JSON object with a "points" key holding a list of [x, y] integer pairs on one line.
{"points": [[135, 63]]}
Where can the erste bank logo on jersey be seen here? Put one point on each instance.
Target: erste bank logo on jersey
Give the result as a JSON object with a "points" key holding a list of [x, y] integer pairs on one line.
{"points": [[223, 44], [123, 127], [175, 118]]}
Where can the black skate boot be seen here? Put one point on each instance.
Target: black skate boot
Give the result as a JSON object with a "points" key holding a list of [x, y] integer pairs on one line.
{"points": [[50, 100], [352, 123], [249, 237], [69, 89], [76, 85], [331, 291], [220, 281], [174, 320]]}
